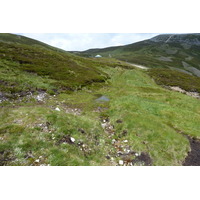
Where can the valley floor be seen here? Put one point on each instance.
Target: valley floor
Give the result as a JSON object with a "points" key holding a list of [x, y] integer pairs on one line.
{"points": [[139, 123]]}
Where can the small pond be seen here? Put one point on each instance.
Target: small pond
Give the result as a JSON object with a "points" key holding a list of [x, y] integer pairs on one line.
{"points": [[102, 99]]}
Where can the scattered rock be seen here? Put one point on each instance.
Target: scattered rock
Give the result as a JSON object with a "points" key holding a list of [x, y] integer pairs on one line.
{"points": [[113, 141], [79, 143], [29, 155], [100, 109], [66, 139], [18, 121], [74, 111], [120, 153], [103, 125], [72, 139], [192, 94], [40, 97], [104, 119], [117, 144], [86, 150], [122, 149], [45, 127], [121, 162], [108, 128], [142, 159]]}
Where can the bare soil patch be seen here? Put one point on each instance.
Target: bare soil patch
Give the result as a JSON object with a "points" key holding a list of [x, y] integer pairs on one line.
{"points": [[193, 158]]}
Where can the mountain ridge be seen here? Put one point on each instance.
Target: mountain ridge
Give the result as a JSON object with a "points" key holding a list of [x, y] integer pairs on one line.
{"points": [[175, 51], [191, 38], [20, 39]]}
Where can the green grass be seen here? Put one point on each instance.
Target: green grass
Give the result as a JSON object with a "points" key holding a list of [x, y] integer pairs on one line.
{"points": [[14, 80], [155, 118], [152, 116], [25, 135]]}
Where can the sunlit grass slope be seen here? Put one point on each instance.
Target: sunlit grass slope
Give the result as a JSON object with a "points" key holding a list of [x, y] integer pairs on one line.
{"points": [[155, 120]]}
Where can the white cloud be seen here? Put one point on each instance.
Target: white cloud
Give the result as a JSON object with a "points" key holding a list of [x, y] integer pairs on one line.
{"points": [[84, 41]]}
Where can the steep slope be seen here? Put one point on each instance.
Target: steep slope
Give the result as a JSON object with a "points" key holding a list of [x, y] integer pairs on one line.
{"points": [[28, 65], [176, 51]]}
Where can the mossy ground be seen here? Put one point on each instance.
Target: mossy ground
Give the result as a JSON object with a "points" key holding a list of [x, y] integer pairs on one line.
{"points": [[152, 116]]}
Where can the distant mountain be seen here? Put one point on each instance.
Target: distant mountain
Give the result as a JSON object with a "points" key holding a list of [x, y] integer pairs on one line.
{"points": [[190, 39], [175, 51]]}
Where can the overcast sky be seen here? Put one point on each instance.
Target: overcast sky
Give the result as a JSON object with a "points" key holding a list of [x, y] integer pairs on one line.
{"points": [[84, 41]]}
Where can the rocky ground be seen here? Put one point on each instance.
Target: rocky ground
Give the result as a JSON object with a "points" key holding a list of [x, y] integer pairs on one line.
{"points": [[192, 94], [123, 155]]}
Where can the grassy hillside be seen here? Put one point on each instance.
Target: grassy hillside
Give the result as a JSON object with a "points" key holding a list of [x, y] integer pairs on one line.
{"points": [[164, 51], [120, 116], [28, 66], [19, 39]]}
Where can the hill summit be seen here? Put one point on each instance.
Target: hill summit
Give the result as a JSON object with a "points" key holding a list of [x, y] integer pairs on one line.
{"points": [[191, 39]]}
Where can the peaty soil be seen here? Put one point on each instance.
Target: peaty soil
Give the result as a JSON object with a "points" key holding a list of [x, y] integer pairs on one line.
{"points": [[193, 158]]}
